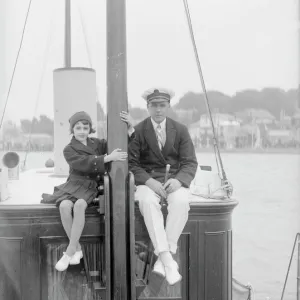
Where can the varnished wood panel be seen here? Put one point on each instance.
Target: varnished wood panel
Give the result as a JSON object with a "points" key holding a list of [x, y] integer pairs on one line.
{"points": [[229, 264], [191, 275], [10, 268], [215, 260], [30, 265], [77, 281], [32, 240]]}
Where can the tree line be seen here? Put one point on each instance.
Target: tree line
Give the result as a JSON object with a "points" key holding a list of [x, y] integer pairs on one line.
{"points": [[192, 105], [189, 108]]}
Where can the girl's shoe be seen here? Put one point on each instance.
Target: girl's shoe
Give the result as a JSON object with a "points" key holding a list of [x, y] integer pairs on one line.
{"points": [[63, 263], [75, 259]]}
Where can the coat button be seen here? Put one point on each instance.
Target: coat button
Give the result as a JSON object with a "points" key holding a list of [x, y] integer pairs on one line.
{"points": [[95, 164], [98, 176]]}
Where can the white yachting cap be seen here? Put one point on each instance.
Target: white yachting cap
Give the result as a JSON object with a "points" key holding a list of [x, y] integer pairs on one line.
{"points": [[158, 95]]}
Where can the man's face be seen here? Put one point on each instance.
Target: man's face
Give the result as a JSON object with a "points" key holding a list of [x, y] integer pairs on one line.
{"points": [[158, 110]]}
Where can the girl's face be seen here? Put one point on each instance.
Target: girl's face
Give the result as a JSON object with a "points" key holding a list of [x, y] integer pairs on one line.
{"points": [[81, 131]]}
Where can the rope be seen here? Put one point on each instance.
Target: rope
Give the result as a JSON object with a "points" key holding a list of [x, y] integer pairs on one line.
{"points": [[40, 84], [15, 65], [290, 263], [216, 148]]}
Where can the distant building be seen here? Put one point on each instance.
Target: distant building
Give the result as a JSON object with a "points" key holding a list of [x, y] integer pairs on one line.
{"points": [[258, 116], [219, 119], [280, 136], [295, 120], [195, 130], [295, 124], [226, 128], [34, 141]]}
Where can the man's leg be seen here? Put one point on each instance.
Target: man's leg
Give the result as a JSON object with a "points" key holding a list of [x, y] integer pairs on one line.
{"points": [[153, 217], [178, 212]]}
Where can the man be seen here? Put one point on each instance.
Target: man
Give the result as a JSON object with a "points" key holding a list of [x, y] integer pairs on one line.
{"points": [[160, 141]]}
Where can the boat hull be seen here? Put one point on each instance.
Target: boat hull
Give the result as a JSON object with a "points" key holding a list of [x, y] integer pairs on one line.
{"points": [[32, 239]]}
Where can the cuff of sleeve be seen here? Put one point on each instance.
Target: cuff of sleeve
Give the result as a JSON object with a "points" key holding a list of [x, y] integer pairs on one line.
{"points": [[131, 131], [143, 178], [182, 181], [98, 164]]}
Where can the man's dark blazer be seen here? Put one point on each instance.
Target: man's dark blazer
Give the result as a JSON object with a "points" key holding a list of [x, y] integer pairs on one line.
{"points": [[146, 160]]}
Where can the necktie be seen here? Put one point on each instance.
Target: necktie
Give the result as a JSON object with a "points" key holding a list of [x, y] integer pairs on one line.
{"points": [[160, 137]]}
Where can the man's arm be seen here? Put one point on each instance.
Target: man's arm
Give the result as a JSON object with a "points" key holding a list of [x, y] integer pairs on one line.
{"points": [[134, 149], [187, 159]]}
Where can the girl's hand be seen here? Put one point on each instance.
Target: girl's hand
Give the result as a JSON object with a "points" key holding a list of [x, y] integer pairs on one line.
{"points": [[126, 118], [116, 155]]}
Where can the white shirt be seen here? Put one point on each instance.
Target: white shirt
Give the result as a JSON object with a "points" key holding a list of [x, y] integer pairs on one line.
{"points": [[162, 131], [162, 125]]}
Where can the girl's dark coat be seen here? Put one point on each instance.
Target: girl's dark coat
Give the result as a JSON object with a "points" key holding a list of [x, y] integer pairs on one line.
{"points": [[85, 174]]}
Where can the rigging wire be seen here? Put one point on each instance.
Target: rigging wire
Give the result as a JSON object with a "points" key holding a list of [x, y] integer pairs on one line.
{"points": [[47, 50], [216, 148], [297, 239], [15, 65]]}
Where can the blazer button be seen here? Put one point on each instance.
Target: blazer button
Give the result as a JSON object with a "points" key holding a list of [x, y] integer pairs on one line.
{"points": [[95, 164], [96, 169], [96, 156]]}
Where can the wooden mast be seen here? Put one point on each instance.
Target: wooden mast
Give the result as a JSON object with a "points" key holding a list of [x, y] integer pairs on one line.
{"points": [[117, 138]]}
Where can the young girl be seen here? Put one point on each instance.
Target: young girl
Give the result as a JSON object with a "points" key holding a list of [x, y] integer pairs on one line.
{"points": [[86, 158]]}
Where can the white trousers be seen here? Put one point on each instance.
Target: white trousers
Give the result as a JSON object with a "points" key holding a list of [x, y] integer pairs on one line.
{"points": [[163, 239]]}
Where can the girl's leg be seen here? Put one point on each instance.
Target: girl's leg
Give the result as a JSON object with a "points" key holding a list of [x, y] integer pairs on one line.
{"points": [[65, 209], [77, 226]]}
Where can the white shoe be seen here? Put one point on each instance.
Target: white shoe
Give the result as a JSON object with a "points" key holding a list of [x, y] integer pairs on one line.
{"points": [[63, 263], [172, 274], [75, 259], [159, 268]]}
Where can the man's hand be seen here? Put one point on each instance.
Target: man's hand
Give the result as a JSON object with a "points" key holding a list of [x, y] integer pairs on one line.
{"points": [[227, 186], [125, 117], [172, 185], [157, 187]]}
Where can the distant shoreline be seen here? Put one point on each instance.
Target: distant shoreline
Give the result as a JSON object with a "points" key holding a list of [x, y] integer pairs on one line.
{"points": [[255, 151], [209, 150]]}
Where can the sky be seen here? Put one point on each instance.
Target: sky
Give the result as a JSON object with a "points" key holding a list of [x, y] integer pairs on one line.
{"points": [[242, 44]]}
